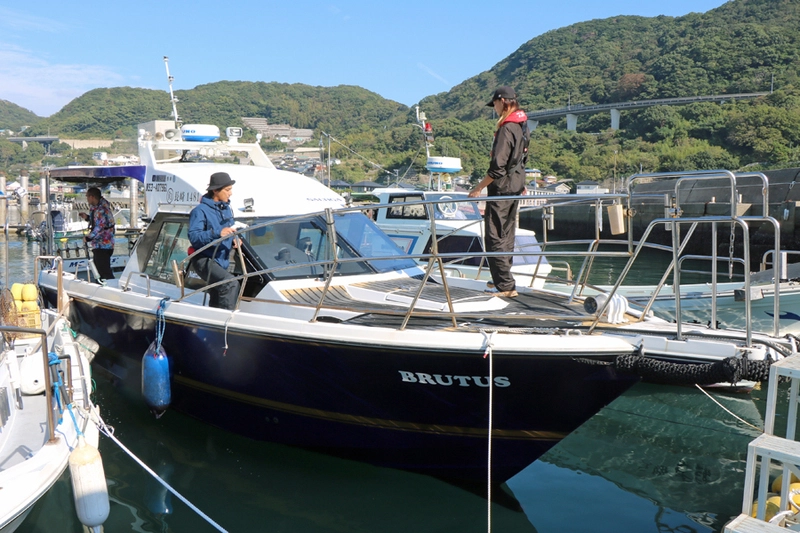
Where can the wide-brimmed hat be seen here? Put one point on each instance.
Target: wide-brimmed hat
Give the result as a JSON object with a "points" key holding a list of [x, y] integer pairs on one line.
{"points": [[219, 180], [502, 92]]}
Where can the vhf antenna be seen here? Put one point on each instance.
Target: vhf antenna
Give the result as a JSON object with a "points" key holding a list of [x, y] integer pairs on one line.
{"points": [[172, 98]]}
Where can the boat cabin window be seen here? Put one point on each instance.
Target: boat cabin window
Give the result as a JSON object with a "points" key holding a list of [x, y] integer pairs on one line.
{"points": [[449, 210], [414, 212], [286, 250], [444, 208], [301, 249], [172, 243]]}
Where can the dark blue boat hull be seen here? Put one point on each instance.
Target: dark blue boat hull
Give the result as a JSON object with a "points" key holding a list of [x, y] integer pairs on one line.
{"points": [[411, 409]]}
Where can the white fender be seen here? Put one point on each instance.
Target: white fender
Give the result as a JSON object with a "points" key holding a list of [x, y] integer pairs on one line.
{"points": [[89, 487]]}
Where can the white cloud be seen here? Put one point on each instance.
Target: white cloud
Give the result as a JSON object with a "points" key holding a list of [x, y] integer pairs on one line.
{"points": [[11, 20], [433, 74], [44, 88]]}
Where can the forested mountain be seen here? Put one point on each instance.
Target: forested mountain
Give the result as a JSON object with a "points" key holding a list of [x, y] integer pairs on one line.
{"points": [[735, 48], [14, 117], [106, 113], [742, 46]]}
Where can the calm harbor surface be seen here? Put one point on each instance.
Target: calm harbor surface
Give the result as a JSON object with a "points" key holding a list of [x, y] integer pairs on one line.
{"points": [[659, 458]]}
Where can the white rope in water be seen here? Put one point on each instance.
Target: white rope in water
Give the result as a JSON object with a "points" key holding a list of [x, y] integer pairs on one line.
{"points": [[743, 421], [487, 353], [108, 431]]}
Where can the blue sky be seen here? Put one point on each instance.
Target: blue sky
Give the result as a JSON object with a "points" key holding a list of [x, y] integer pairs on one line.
{"points": [[53, 51]]}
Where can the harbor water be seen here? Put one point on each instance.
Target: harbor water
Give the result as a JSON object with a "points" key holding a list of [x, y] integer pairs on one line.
{"points": [[657, 459]]}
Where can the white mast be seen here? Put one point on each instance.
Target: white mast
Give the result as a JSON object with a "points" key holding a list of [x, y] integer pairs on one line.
{"points": [[172, 96]]}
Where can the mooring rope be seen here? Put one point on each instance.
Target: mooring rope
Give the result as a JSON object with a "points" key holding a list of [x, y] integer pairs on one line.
{"points": [[58, 387], [108, 431], [227, 323], [734, 415], [487, 354], [161, 323]]}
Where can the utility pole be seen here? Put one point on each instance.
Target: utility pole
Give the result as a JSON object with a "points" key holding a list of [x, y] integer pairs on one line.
{"points": [[615, 173]]}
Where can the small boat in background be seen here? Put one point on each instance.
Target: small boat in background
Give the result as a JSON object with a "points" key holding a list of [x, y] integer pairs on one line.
{"points": [[406, 215], [61, 220]]}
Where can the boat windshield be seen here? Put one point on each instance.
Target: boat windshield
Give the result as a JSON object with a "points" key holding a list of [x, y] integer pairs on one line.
{"points": [[287, 247], [445, 210]]}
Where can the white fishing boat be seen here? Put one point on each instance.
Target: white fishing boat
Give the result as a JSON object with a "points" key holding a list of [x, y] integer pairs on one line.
{"points": [[45, 384], [458, 223], [341, 343]]}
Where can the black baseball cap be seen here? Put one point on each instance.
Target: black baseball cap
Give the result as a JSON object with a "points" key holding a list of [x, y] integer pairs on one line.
{"points": [[502, 92]]}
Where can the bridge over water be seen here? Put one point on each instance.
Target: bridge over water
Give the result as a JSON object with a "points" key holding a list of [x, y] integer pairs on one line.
{"points": [[572, 111]]}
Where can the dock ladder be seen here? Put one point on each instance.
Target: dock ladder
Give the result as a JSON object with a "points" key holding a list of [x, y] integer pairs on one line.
{"points": [[767, 448]]}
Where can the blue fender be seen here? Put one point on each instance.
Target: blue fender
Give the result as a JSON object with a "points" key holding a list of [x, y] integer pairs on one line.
{"points": [[155, 379]]}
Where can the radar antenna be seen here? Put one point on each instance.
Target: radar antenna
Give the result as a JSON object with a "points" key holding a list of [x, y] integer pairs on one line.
{"points": [[172, 98]]}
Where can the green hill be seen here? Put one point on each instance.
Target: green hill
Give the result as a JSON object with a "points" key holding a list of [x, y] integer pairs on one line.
{"points": [[115, 112], [14, 117], [742, 46], [735, 48]]}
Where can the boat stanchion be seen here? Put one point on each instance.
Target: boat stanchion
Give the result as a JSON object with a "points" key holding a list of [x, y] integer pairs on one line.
{"points": [[155, 369]]}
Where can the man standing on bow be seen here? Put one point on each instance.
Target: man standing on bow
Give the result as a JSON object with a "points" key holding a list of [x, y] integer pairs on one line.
{"points": [[212, 219]]}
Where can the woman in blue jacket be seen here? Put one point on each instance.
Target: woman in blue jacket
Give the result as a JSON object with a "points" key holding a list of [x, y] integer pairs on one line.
{"points": [[209, 221]]}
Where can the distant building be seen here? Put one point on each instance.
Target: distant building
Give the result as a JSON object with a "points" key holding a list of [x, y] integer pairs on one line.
{"points": [[123, 159], [365, 186], [532, 174], [590, 187], [335, 184], [537, 195], [283, 132]]}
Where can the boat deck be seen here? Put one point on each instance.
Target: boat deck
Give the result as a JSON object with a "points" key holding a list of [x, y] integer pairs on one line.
{"points": [[526, 310], [26, 434]]}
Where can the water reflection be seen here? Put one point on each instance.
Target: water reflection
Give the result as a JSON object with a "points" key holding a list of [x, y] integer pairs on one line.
{"points": [[657, 458], [21, 254]]}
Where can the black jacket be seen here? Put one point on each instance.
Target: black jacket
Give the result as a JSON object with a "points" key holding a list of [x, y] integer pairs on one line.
{"points": [[509, 155]]}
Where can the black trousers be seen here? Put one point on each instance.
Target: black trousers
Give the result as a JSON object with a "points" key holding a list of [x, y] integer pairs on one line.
{"points": [[500, 224], [102, 261], [223, 296]]}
